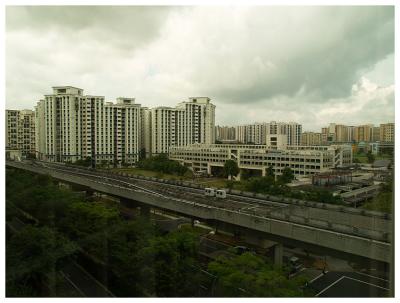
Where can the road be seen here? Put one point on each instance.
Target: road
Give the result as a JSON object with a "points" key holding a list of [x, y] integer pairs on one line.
{"points": [[350, 284]]}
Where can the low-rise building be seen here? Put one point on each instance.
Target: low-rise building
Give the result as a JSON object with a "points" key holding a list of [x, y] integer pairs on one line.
{"points": [[303, 160]]}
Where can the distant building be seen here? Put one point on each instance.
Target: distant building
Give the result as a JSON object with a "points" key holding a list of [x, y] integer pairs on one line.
{"points": [[188, 123], [339, 133], [225, 133], [375, 134], [20, 131], [311, 138], [364, 133], [261, 133], [386, 132]]}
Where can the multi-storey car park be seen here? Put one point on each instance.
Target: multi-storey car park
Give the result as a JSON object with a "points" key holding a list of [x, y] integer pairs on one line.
{"points": [[303, 160]]}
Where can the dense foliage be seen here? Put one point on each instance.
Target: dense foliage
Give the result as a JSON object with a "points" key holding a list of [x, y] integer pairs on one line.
{"points": [[32, 254], [383, 202], [248, 275], [162, 164], [133, 258], [84, 162]]}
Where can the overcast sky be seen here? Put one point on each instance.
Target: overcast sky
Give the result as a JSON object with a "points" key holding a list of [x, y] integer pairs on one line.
{"points": [[311, 65]]}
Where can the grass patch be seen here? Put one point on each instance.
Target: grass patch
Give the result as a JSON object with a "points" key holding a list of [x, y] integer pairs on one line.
{"points": [[363, 157], [195, 229], [149, 173], [218, 183]]}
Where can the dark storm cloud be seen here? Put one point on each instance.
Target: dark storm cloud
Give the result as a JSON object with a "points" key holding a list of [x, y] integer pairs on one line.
{"points": [[122, 27]]}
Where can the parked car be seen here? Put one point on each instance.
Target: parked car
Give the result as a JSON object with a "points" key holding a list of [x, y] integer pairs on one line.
{"points": [[295, 265], [240, 250]]}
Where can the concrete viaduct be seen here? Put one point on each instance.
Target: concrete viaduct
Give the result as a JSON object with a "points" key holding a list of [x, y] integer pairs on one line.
{"points": [[359, 235]]}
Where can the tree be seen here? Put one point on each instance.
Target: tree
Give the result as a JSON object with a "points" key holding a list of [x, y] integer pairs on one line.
{"points": [[231, 168], [287, 175], [84, 162], [170, 266], [162, 164], [83, 219], [39, 196], [370, 157], [382, 203], [260, 184], [33, 253], [248, 275], [118, 248], [384, 200], [270, 171], [31, 156]]}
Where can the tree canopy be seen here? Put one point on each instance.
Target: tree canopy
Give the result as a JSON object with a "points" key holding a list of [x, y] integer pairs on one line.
{"points": [[370, 157], [231, 168], [287, 175], [34, 252], [248, 275]]}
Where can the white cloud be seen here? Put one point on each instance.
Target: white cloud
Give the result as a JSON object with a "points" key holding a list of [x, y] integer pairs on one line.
{"points": [[256, 63]]}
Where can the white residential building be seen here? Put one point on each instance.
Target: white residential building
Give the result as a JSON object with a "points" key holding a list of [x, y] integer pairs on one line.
{"points": [[71, 126], [187, 123]]}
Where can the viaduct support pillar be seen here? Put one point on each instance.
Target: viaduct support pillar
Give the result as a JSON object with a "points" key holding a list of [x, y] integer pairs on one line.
{"points": [[145, 211], [89, 193], [128, 203], [263, 172], [278, 254]]}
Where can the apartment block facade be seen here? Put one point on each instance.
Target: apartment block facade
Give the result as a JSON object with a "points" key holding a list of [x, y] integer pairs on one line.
{"points": [[363, 133], [311, 138], [20, 131], [71, 127], [189, 122], [269, 133], [386, 132], [225, 133], [339, 133]]}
